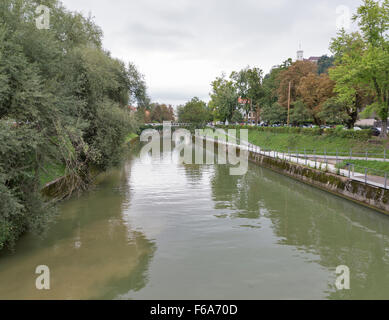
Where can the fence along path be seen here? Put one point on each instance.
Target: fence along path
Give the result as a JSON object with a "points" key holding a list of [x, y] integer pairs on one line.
{"points": [[316, 162]]}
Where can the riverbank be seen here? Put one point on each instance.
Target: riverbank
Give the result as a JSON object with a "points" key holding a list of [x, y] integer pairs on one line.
{"points": [[363, 190], [320, 143], [329, 141], [130, 137], [357, 191], [55, 184], [142, 227]]}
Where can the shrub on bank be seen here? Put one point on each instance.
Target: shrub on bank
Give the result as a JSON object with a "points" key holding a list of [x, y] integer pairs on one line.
{"points": [[64, 101]]}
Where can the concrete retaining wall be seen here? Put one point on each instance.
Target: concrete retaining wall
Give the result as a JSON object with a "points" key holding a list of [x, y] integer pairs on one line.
{"points": [[371, 196]]}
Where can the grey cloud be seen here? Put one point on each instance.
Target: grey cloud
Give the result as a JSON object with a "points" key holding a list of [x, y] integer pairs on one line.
{"points": [[176, 97], [150, 36], [193, 41]]}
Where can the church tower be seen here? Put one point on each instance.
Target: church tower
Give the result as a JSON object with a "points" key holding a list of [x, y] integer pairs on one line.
{"points": [[300, 54]]}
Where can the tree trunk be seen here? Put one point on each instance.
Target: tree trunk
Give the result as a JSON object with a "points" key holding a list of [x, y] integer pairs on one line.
{"points": [[353, 118], [384, 129], [257, 115], [316, 121]]}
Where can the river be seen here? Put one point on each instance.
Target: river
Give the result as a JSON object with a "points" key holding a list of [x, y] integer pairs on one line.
{"points": [[195, 232]]}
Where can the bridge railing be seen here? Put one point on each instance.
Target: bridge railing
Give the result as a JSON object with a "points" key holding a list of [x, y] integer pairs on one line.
{"points": [[174, 124]]}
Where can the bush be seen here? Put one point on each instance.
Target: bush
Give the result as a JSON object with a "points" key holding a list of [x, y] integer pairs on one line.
{"points": [[113, 124], [63, 100], [362, 135], [21, 205]]}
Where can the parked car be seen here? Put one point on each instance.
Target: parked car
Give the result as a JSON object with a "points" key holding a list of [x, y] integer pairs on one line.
{"points": [[376, 132], [357, 129]]}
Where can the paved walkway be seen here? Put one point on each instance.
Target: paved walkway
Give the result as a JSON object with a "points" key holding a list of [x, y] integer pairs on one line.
{"points": [[341, 158], [313, 161], [310, 162]]}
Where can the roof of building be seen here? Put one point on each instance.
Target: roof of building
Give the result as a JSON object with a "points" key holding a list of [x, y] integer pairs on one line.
{"points": [[366, 122], [313, 59]]}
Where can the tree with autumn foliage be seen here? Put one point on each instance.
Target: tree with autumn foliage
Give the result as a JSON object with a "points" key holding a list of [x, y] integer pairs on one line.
{"points": [[161, 112], [314, 90], [293, 75]]}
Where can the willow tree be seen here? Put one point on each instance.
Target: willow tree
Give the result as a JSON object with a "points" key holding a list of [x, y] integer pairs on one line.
{"points": [[63, 102]]}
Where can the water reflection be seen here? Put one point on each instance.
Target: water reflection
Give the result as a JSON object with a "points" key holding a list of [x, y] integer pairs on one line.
{"points": [[195, 232], [336, 232], [92, 252]]}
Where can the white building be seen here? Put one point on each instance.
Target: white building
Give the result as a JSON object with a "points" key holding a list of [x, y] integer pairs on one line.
{"points": [[300, 55]]}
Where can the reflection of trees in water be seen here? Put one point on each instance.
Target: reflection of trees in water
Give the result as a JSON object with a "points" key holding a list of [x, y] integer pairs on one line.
{"points": [[238, 193], [134, 149], [137, 276], [193, 172], [91, 251], [338, 231]]}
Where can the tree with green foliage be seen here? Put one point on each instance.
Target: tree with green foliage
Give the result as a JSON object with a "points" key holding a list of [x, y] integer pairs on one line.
{"points": [[248, 83], [274, 114], [299, 114], [195, 112], [270, 85], [137, 87], [351, 95], [237, 117], [325, 62], [365, 65], [336, 112], [63, 101], [224, 98]]}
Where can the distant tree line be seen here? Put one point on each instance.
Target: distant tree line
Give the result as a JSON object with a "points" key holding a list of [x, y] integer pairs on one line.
{"points": [[337, 90], [156, 113]]}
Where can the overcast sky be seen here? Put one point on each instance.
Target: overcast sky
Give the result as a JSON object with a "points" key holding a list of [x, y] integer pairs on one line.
{"points": [[181, 46]]}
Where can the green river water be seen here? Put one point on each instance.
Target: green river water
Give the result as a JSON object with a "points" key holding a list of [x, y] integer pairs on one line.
{"points": [[195, 232]]}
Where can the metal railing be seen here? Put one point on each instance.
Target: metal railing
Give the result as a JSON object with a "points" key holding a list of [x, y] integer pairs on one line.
{"points": [[365, 174], [311, 158], [339, 155], [172, 124]]}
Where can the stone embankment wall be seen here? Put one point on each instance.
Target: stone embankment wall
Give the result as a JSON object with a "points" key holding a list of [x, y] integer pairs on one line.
{"points": [[371, 196]]}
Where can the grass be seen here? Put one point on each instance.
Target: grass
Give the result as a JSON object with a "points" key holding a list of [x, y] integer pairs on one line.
{"points": [[212, 134], [52, 171], [321, 144], [376, 168], [130, 137]]}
